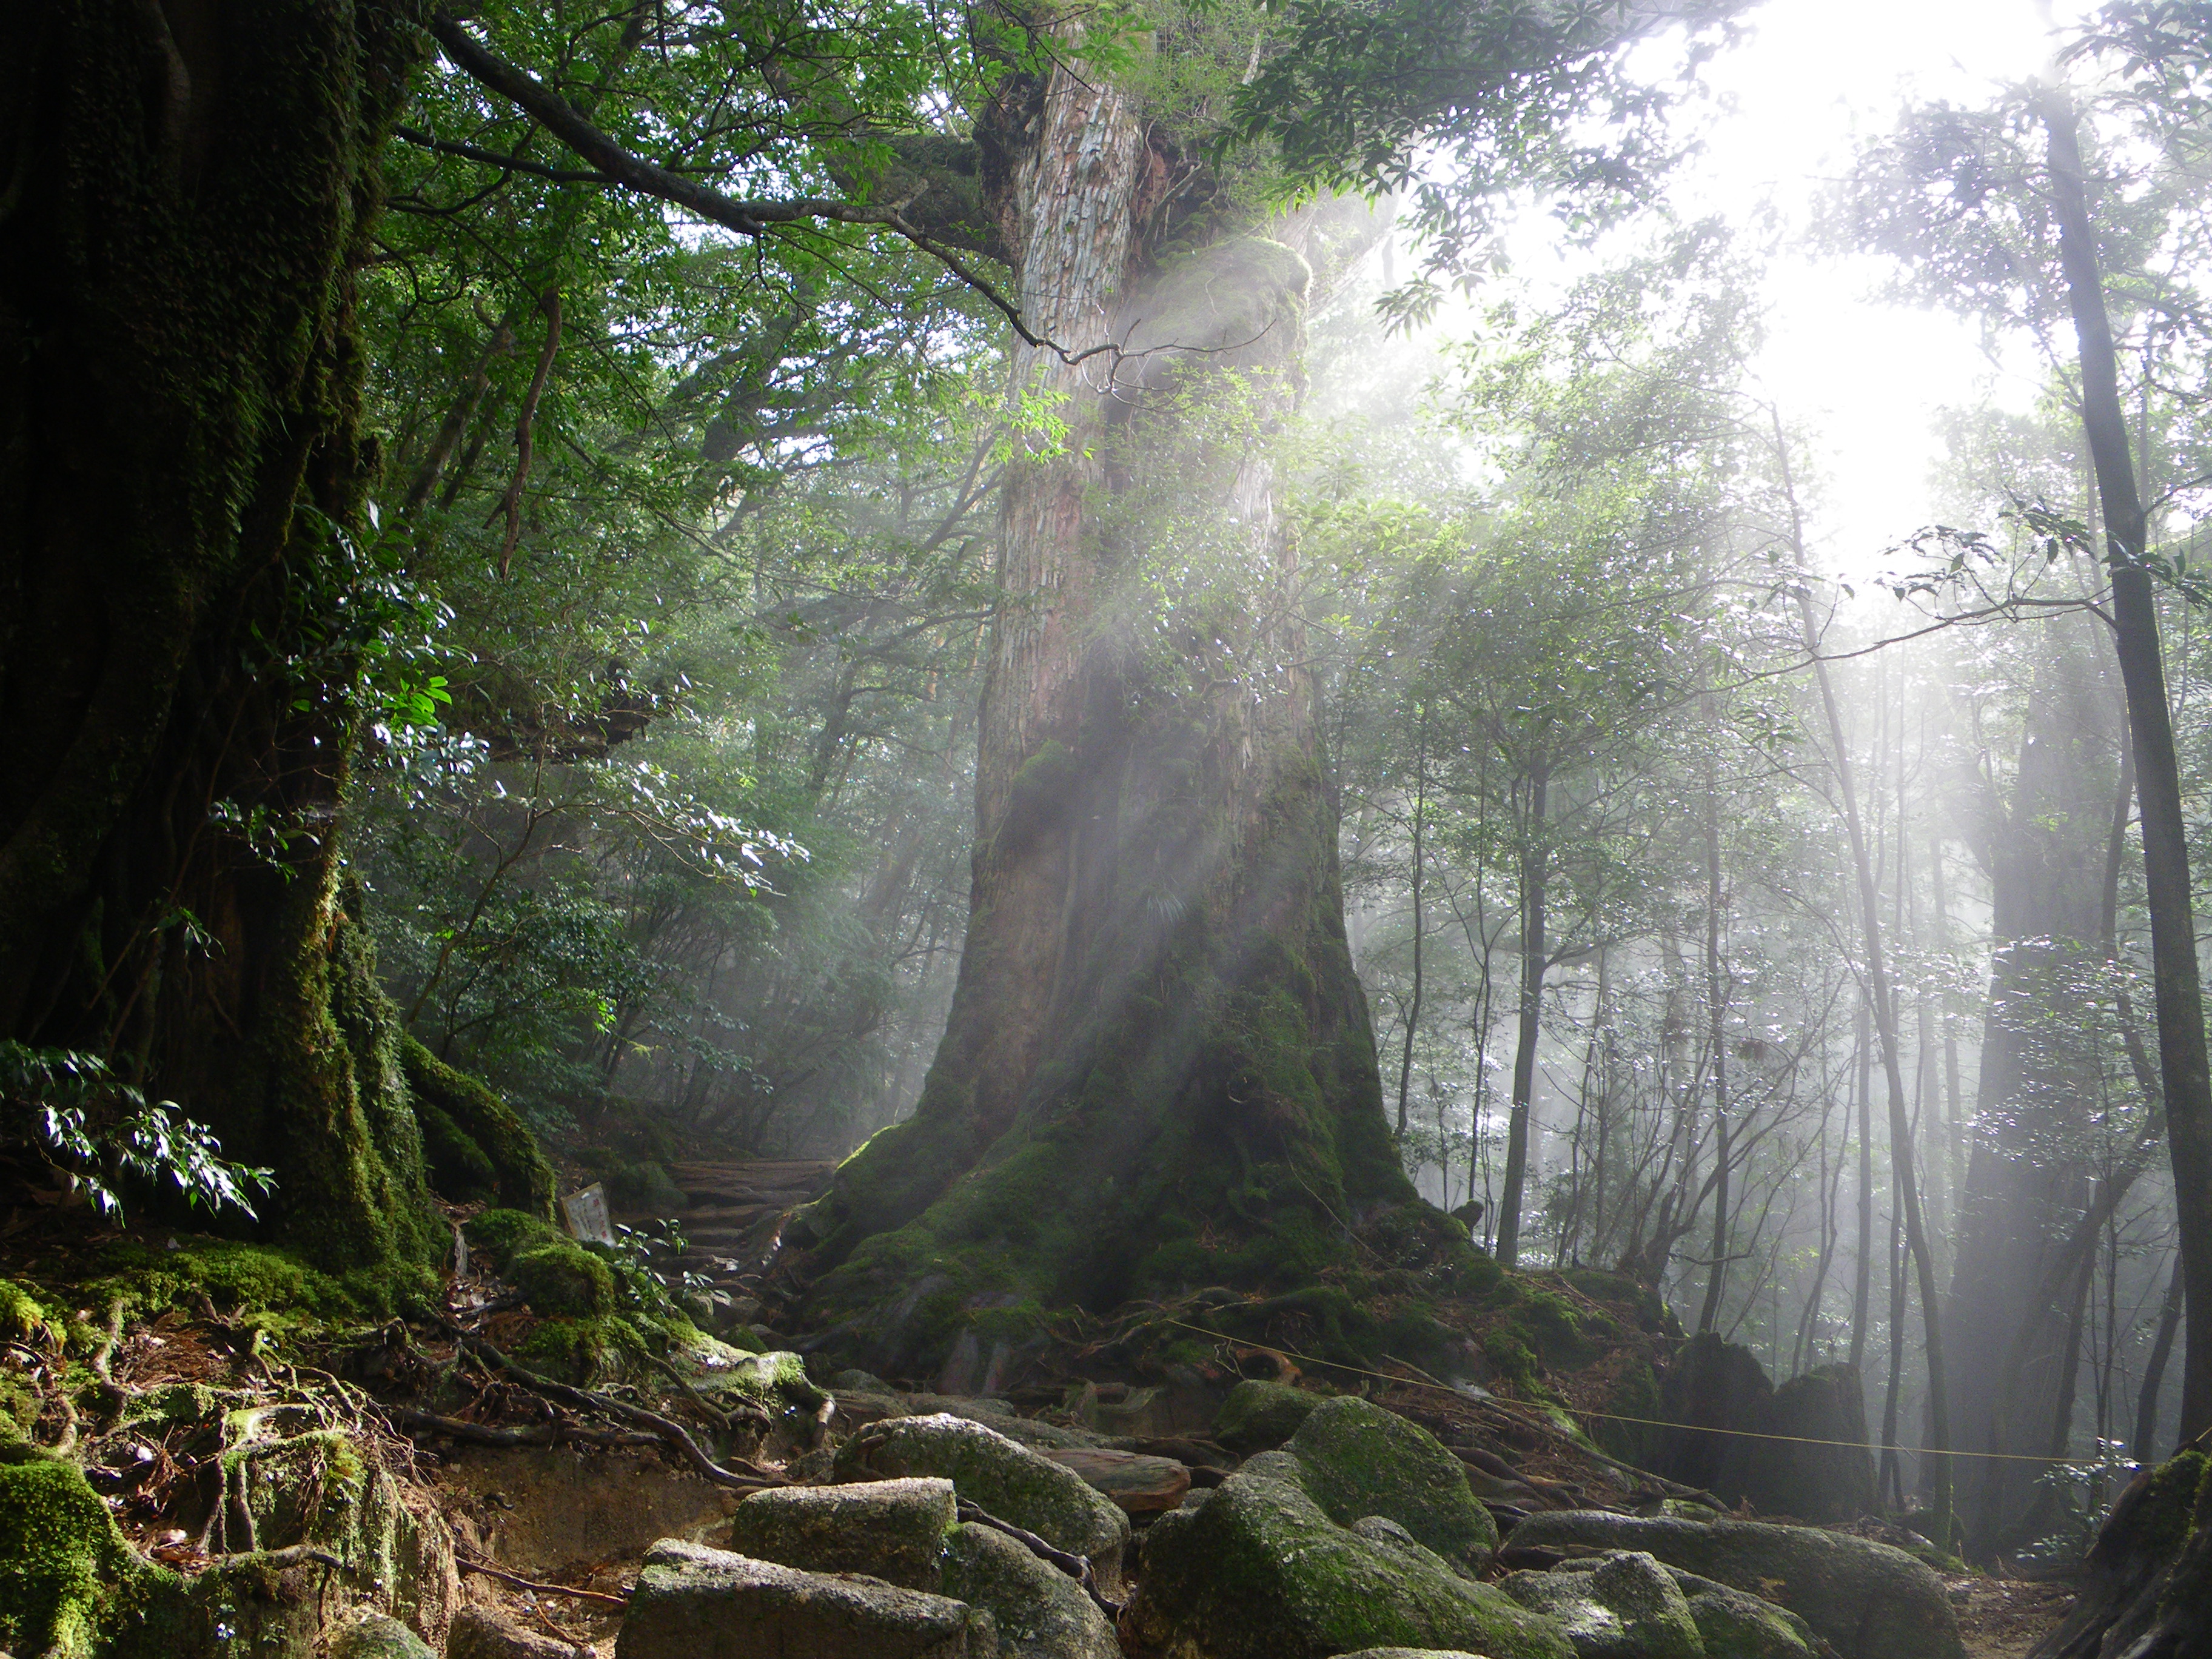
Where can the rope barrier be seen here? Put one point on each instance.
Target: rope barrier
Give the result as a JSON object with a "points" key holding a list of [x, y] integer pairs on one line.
{"points": [[1615, 1417]]}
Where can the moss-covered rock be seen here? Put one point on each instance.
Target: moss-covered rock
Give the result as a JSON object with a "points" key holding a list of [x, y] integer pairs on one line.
{"points": [[1007, 1480], [240, 1278], [378, 1636], [560, 1277], [1041, 1612], [1869, 1601], [1257, 1570], [1356, 1459], [1734, 1626], [893, 1531], [1260, 1416], [691, 1603], [1620, 1607]]}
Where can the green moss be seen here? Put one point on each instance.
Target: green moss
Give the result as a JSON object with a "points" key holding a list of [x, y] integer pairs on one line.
{"points": [[501, 1233], [1358, 1459], [1259, 1415], [23, 1318], [1510, 1357], [1635, 1393], [65, 1561], [563, 1278], [238, 1277], [2165, 1515], [482, 1140], [1643, 1304]]}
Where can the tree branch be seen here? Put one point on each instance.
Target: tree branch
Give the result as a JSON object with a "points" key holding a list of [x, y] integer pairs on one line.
{"points": [[755, 216]]}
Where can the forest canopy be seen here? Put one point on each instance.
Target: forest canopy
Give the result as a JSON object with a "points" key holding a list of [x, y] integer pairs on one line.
{"points": [[1056, 608]]}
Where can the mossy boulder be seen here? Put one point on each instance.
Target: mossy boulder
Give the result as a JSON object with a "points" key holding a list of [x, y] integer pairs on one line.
{"points": [[1007, 1480], [563, 1278], [691, 1603], [1040, 1612], [378, 1636], [1260, 1416], [1355, 1459], [1869, 1601], [893, 1531], [1734, 1626], [1618, 1607], [1259, 1571]]}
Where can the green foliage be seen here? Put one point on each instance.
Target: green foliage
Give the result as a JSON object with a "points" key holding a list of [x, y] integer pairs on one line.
{"points": [[104, 1133]]}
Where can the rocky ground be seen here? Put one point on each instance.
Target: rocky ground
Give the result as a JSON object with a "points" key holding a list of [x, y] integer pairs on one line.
{"points": [[201, 1454]]}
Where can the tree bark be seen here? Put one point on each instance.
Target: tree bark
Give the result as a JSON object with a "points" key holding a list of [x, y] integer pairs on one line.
{"points": [[1535, 869], [182, 473], [1159, 1069], [2183, 1069]]}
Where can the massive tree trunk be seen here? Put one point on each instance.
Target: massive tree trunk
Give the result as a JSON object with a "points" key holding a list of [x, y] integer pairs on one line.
{"points": [[2027, 1169], [1158, 1070], [181, 600]]}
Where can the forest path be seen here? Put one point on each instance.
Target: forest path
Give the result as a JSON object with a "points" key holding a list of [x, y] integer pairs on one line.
{"points": [[2005, 1618]]}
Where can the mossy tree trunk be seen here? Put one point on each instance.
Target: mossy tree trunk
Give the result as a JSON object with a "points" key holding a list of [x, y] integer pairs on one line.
{"points": [[182, 477], [1158, 1070]]}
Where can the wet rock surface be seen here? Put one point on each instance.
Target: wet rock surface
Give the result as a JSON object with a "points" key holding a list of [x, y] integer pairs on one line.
{"points": [[1866, 1600], [693, 1602]]}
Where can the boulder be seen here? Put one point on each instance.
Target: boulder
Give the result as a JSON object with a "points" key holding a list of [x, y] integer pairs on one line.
{"points": [[480, 1633], [1711, 1384], [1355, 1459], [1260, 1416], [1001, 1415], [692, 1603], [1041, 1612], [1734, 1626], [1866, 1600], [378, 1636], [1618, 1606], [893, 1531], [1794, 1474], [1774, 1457], [1139, 1484], [1258, 1571], [1008, 1480]]}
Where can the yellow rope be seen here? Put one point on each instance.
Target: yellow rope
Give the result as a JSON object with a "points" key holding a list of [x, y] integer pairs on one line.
{"points": [[1615, 1417]]}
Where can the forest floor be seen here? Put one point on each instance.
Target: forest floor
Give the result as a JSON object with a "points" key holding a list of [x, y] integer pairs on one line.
{"points": [[550, 1535]]}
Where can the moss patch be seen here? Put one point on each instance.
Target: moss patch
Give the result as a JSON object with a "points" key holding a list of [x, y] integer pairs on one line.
{"points": [[65, 1561]]}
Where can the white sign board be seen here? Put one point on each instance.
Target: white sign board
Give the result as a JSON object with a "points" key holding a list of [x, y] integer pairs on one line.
{"points": [[586, 1213]]}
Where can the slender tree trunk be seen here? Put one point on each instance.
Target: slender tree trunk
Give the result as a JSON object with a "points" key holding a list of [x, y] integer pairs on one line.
{"points": [[1900, 1134], [1716, 1042], [1536, 868], [2154, 1377], [1863, 1280], [1413, 1003], [2183, 1066]]}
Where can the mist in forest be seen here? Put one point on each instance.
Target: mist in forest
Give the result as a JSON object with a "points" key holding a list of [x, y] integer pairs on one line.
{"points": [[1221, 653]]}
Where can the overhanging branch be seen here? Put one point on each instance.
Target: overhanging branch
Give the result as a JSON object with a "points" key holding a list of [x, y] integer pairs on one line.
{"points": [[757, 218]]}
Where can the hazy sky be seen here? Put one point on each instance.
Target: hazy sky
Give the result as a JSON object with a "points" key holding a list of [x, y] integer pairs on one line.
{"points": [[1866, 379]]}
